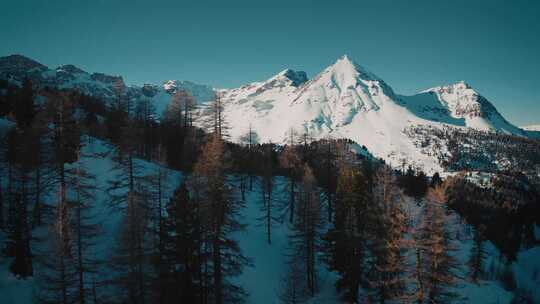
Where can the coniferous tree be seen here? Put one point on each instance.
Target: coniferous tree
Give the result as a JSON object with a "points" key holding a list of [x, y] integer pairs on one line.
{"points": [[181, 278], [129, 191], [292, 289], [435, 180], [85, 227], [130, 260], [268, 219], [144, 118], [477, 256], [249, 141], [218, 215], [344, 244], [435, 258], [177, 125], [41, 163], [387, 265], [25, 108], [19, 232], [329, 171], [305, 240], [19, 240], [58, 278], [118, 113], [290, 160]]}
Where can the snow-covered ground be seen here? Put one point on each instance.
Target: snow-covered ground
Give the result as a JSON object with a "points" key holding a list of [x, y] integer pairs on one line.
{"points": [[263, 280]]}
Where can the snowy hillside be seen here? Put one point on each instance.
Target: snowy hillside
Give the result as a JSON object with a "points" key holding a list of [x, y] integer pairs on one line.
{"points": [[263, 280]]}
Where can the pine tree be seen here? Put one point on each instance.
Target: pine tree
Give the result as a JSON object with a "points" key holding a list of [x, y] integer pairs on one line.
{"points": [[345, 243], [129, 177], [58, 276], [213, 117], [25, 109], [129, 192], [41, 162], [144, 118], [181, 278], [19, 232], [218, 215], [85, 227], [436, 260], [328, 180], [130, 261], [118, 113], [19, 237], [387, 273], [292, 290], [157, 185], [247, 161], [268, 219], [290, 160], [174, 128], [477, 256], [61, 274], [306, 235]]}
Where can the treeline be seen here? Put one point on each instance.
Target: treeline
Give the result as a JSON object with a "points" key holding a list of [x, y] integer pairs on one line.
{"points": [[506, 213], [472, 150]]}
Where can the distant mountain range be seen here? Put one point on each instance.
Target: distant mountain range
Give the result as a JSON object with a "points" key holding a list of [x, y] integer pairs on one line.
{"points": [[345, 100]]}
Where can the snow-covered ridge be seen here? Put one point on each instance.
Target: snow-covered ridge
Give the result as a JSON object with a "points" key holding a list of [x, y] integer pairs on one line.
{"points": [[345, 100], [531, 128], [17, 67]]}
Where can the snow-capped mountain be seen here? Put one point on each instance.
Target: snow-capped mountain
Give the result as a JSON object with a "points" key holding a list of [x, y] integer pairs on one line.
{"points": [[17, 67], [461, 105], [345, 100]]}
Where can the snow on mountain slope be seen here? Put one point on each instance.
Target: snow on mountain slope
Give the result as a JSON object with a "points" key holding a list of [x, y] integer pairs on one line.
{"points": [[463, 102], [16, 67], [531, 128], [346, 100]]}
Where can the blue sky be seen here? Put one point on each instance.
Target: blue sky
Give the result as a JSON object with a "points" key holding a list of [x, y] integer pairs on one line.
{"points": [[493, 45]]}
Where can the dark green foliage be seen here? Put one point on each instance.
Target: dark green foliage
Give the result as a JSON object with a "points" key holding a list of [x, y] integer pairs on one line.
{"points": [[435, 180], [477, 257], [24, 107], [507, 211], [179, 279], [21, 266], [414, 183], [344, 245], [507, 278]]}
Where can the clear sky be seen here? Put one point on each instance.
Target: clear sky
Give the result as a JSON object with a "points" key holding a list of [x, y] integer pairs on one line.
{"points": [[494, 45]]}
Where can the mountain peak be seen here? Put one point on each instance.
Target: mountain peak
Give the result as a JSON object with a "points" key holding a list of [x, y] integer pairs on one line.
{"points": [[19, 63], [346, 66], [70, 68], [296, 77], [459, 87]]}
